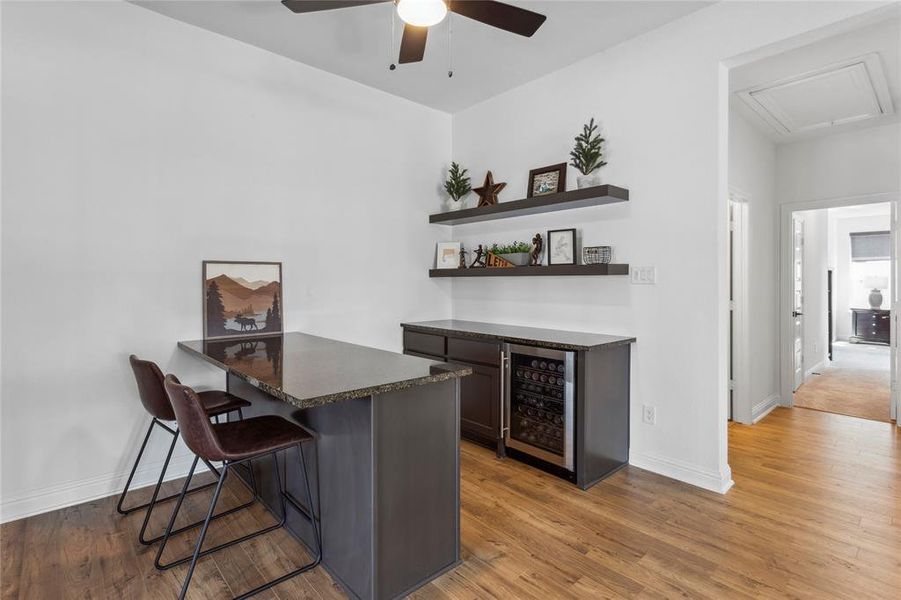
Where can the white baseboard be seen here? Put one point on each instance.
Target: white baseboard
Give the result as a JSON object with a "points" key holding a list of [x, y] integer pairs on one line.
{"points": [[76, 492], [682, 471], [817, 368], [765, 407]]}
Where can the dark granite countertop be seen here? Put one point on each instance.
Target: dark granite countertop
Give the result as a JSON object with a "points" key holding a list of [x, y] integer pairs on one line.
{"points": [[514, 334], [307, 370]]}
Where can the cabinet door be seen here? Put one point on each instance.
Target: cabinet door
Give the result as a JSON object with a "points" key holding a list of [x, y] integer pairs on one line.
{"points": [[480, 398]]}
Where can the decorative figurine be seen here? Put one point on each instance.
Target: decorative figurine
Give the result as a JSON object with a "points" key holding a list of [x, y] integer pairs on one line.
{"points": [[462, 264], [489, 191], [535, 254], [480, 258]]}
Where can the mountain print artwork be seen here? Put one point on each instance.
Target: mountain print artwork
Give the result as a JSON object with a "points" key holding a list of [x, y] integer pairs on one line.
{"points": [[241, 299]]}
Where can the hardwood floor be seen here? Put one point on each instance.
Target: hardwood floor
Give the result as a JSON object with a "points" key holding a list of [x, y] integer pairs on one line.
{"points": [[857, 383], [815, 513]]}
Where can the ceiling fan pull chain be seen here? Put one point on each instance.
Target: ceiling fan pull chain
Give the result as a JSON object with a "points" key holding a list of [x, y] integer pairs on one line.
{"points": [[450, 46], [391, 54]]}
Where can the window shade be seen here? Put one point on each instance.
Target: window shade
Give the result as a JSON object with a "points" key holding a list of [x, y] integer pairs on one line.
{"points": [[871, 245]]}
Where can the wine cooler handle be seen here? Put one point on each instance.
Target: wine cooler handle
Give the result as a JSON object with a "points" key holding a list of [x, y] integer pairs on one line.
{"points": [[505, 426]]}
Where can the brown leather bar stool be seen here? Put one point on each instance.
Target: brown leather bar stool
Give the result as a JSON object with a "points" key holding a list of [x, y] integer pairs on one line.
{"points": [[153, 396], [236, 443]]}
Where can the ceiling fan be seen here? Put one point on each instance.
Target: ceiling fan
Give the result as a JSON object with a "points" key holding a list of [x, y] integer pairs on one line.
{"points": [[419, 15]]}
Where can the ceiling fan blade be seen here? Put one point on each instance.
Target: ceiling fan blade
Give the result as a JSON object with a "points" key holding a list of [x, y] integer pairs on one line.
{"points": [[305, 6], [412, 44], [497, 14]]}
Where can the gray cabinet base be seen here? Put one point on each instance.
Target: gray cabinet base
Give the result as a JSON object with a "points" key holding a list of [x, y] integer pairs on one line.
{"points": [[386, 479], [602, 413]]}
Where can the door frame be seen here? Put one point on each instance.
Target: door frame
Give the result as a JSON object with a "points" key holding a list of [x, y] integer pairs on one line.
{"points": [[740, 361], [785, 293]]}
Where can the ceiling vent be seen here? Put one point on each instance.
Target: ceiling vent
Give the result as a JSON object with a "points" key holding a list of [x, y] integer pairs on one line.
{"points": [[849, 91]]}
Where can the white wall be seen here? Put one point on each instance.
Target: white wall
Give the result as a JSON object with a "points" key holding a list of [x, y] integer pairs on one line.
{"points": [[815, 288], [752, 171], [136, 146], [842, 165], [661, 99], [849, 291]]}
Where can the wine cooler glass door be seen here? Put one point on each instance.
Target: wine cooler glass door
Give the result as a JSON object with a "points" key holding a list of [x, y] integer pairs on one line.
{"points": [[539, 403]]}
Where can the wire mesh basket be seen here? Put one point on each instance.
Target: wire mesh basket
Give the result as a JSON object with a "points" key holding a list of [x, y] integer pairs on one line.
{"points": [[597, 255]]}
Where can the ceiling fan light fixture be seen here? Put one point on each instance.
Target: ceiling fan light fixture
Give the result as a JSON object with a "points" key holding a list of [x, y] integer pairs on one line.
{"points": [[421, 13]]}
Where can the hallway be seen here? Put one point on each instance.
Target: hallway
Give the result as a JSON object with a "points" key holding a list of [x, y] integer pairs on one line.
{"points": [[856, 383]]}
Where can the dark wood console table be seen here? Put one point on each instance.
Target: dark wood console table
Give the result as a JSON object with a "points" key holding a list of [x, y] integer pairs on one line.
{"points": [[870, 326]]}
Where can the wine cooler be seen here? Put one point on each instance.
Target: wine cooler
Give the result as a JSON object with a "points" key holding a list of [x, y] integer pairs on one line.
{"points": [[538, 403]]}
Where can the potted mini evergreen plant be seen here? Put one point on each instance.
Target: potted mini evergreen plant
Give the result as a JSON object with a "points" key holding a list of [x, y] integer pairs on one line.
{"points": [[588, 156], [457, 184], [517, 252]]}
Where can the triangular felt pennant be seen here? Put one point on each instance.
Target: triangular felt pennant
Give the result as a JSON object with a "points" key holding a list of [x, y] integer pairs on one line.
{"points": [[495, 261]]}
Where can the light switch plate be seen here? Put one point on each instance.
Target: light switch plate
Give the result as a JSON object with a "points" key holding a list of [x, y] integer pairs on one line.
{"points": [[644, 275]]}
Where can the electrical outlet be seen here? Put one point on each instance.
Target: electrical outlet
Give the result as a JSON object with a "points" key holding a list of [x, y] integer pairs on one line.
{"points": [[649, 414], [644, 275]]}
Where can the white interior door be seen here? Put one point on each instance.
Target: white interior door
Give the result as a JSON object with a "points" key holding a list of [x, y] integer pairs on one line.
{"points": [[894, 304], [739, 359], [798, 300]]}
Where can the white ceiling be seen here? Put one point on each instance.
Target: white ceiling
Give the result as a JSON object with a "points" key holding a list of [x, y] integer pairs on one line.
{"points": [[354, 42], [843, 96]]}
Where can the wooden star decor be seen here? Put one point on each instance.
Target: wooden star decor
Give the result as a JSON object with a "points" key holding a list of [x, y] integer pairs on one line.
{"points": [[489, 191]]}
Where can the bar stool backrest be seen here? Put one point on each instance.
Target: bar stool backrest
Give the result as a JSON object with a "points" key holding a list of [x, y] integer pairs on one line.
{"points": [[193, 422], [150, 388]]}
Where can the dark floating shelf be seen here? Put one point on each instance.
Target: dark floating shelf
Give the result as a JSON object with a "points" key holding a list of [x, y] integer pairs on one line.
{"points": [[589, 270], [593, 196]]}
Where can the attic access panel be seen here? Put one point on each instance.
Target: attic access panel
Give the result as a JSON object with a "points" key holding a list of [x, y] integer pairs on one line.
{"points": [[845, 92]]}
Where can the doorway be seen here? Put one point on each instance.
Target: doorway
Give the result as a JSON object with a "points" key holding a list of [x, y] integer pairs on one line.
{"points": [[839, 295]]}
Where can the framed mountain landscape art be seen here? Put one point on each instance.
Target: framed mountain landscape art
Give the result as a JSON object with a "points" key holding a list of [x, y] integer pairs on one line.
{"points": [[241, 298]]}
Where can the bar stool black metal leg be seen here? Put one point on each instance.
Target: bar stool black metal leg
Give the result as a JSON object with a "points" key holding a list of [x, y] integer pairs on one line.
{"points": [[181, 498], [196, 523], [198, 549], [156, 489], [126, 511], [134, 468], [154, 501], [159, 565], [285, 498], [314, 514], [253, 482], [203, 530]]}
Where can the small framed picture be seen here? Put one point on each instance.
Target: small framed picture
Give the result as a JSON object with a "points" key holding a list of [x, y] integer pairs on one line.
{"points": [[448, 256], [561, 247], [241, 298], [547, 180]]}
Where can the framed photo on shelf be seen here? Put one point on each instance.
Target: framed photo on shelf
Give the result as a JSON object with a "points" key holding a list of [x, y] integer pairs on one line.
{"points": [[547, 180], [561, 247], [448, 255], [241, 298]]}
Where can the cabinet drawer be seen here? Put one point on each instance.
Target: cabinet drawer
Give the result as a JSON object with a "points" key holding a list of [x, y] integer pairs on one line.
{"points": [[428, 356], [424, 343], [474, 351]]}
